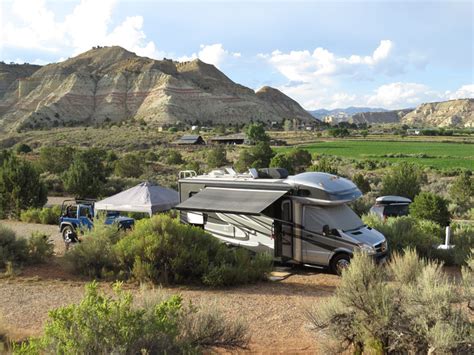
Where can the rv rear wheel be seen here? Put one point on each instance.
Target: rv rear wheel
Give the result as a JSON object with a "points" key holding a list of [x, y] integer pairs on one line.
{"points": [[340, 262]]}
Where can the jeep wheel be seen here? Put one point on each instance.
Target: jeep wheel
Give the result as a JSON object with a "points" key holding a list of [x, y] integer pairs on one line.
{"points": [[339, 263]]}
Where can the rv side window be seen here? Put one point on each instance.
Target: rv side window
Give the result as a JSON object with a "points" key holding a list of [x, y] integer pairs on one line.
{"points": [[286, 210]]}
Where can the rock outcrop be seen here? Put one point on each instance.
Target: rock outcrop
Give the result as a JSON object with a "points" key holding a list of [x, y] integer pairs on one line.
{"points": [[452, 113], [379, 117], [111, 84]]}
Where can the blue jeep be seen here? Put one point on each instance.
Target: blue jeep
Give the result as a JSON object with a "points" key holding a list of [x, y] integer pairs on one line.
{"points": [[78, 215]]}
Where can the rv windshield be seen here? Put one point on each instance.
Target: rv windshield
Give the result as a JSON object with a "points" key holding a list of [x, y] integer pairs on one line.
{"points": [[339, 217]]}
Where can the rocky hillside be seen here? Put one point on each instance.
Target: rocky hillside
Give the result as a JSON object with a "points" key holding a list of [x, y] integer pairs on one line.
{"points": [[379, 117], [458, 113], [284, 106], [9, 73], [110, 84]]}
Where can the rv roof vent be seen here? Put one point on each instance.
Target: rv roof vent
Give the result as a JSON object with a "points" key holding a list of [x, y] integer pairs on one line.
{"points": [[273, 173], [254, 173]]}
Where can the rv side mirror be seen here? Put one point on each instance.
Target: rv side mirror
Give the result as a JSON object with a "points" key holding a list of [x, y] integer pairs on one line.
{"points": [[325, 229]]}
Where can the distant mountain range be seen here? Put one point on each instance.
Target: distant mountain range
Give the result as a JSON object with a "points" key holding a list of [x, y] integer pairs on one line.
{"points": [[347, 112], [111, 84], [454, 113]]}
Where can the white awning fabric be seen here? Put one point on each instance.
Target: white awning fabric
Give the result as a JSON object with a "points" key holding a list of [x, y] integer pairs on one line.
{"points": [[145, 197]]}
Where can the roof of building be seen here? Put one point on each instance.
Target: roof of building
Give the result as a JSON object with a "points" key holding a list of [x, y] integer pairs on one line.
{"points": [[191, 139], [236, 136]]}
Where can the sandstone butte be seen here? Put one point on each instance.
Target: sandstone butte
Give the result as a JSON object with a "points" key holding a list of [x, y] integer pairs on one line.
{"points": [[111, 84]]}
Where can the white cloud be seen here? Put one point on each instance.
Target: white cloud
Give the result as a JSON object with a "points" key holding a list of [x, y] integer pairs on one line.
{"points": [[32, 25], [214, 54], [322, 66], [401, 95], [465, 91]]}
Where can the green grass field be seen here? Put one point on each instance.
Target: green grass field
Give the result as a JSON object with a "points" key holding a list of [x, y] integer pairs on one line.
{"points": [[439, 155]]}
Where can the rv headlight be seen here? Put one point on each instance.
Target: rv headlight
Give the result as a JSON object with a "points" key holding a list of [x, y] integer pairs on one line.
{"points": [[366, 248]]}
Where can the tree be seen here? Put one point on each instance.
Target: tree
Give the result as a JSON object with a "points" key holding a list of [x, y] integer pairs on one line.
{"points": [[404, 179], [339, 132], [462, 190], [174, 157], [325, 165], [130, 165], [20, 186], [430, 206], [87, 174], [217, 157], [256, 133], [288, 124], [55, 160], [295, 161], [257, 157]]}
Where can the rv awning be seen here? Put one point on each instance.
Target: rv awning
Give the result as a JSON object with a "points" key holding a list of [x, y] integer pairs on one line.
{"points": [[242, 201]]}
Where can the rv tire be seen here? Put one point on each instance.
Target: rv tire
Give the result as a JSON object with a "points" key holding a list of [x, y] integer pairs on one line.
{"points": [[339, 262]]}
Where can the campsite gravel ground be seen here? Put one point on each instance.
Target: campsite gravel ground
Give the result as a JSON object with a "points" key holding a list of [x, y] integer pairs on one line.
{"points": [[274, 311]]}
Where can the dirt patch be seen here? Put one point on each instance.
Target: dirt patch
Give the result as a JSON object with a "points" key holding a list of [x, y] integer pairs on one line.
{"points": [[274, 311]]}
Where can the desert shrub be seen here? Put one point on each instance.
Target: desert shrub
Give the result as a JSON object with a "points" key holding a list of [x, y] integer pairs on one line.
{"points": [[130, 165], [174, 157], [462, 191], [45, 215], [40, 248], [53, 183], [205, 327], [403, 232], [362, 183], [372, 315], [50, 215], [238, 267], [216, 157], [295, 161], [404, 179], [12, 249], [31, 215], [431, 207], [23, 148], [462, 237], [161, 249], [405, 267], [94, 256], [102, 324], [325, 165]]}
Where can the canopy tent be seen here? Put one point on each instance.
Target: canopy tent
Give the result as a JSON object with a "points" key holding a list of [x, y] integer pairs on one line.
{"points": [[145, 197]]}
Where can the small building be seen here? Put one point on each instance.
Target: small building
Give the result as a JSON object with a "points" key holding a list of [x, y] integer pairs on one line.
{"points": [[238, 138], [190, 140]]}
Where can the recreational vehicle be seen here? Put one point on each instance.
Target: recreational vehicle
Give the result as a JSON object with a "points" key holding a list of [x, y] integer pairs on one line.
{"points": [[298, 219]]}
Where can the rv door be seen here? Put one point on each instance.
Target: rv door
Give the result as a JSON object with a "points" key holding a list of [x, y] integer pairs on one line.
{"points": [[286, 239]]}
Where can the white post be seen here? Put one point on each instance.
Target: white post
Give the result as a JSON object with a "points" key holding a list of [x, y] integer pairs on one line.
{"points": [[448, 236]]}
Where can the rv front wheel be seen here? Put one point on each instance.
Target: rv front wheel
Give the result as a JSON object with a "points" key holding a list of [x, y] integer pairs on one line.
{"points": [[340, 262]]}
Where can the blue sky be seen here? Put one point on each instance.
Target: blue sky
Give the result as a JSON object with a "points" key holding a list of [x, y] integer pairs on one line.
{"points": [[329, 54]]}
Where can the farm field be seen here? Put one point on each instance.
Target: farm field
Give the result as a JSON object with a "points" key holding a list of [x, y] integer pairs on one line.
{"points": [[439, 155]]}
